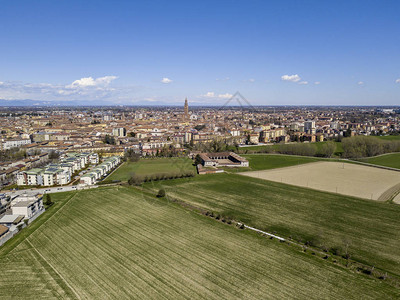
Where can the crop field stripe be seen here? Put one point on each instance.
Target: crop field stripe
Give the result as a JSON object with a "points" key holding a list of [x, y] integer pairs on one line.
{"points": [[159, 236], [99, 224], [112, 243], [226, 197], [84, 268], [54, 269]]}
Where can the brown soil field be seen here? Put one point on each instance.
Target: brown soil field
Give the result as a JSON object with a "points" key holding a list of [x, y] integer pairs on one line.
{"points": [[336, 177]]}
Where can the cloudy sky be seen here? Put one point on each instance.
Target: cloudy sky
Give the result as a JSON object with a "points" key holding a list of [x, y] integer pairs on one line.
{"points": [[153, 52]]}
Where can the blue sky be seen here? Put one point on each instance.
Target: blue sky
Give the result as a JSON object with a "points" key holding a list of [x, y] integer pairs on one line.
{"points": [[159, 52]]}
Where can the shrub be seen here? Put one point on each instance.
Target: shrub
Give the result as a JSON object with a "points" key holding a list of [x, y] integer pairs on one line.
{"points": [[335, 250], [161, 193], [135, 180], [47, 200]]}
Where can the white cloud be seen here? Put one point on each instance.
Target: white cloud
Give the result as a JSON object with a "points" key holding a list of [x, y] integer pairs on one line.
{"points": [[360, 82], [292, 78], [222, 79], [212, 95], [317, 82], [251, 80], [84, 88], [166, 80], [397, 80], [91, 82], [303, 82], [209, 95], [225, 96]]}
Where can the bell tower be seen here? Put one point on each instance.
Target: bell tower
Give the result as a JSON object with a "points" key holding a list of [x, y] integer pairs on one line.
{"points": [[186, 109]]}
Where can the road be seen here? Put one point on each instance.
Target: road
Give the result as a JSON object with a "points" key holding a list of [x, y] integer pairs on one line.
{"points": [[49, 190]]}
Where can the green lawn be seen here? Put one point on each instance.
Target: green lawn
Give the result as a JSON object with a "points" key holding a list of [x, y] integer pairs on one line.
{"points": [[273, 161], [150, 166], [389, 137], [388, 160], [276, 147], [370, 228], [114, 242]]}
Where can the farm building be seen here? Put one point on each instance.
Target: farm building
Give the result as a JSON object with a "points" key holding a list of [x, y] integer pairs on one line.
{"points": [[223, 159]]}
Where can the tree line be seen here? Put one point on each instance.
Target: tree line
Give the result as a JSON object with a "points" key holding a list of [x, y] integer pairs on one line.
{"points": [[139, 179], [303, 149], [366, 146]]}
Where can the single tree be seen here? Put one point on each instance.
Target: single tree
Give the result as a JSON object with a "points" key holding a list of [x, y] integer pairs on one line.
{"points": [[161, 193]]}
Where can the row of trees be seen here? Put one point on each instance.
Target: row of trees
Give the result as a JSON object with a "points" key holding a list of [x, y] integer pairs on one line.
{"points": [[139, 179], [366, 146], [304, 149], [216, 145]]}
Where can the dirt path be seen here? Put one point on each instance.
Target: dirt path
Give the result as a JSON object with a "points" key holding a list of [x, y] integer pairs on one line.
{"points": [[390, 194]]}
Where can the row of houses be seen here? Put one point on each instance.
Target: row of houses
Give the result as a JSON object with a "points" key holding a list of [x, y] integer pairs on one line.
{"points": [[57, 173], [100, 171]]}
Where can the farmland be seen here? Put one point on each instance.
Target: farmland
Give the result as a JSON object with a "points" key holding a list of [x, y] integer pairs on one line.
{"points": [[152, 166], [336, 177], [391, 160], [276, 148], [272, 161], [370, 228], [389, 137], [118, 243]]}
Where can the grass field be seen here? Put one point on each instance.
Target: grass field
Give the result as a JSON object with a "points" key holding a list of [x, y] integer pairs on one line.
{"points": [[272, 161], [117, 243], [336, 177], [152, 166], [389, 137], [370, 228], [276, 147], [388, 160]]}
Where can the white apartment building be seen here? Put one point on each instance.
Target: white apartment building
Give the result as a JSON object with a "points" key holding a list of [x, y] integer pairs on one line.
{"points": [[9, 144], [27, 205]]}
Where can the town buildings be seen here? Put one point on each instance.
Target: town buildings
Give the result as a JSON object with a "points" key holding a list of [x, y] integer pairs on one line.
{"points": [[31, 136]]}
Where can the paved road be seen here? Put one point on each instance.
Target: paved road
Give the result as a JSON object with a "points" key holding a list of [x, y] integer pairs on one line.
{"points": [[49, 190]]}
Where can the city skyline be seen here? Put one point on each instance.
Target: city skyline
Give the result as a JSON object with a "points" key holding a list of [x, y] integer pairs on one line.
{"points": [[158, 53]]}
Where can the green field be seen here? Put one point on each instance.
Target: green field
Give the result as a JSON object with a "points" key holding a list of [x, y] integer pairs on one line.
{"points": [[370, 229], [388, 160], [273, 161], [275, 148], [114, 242], [389, 137], [151, 166]]}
